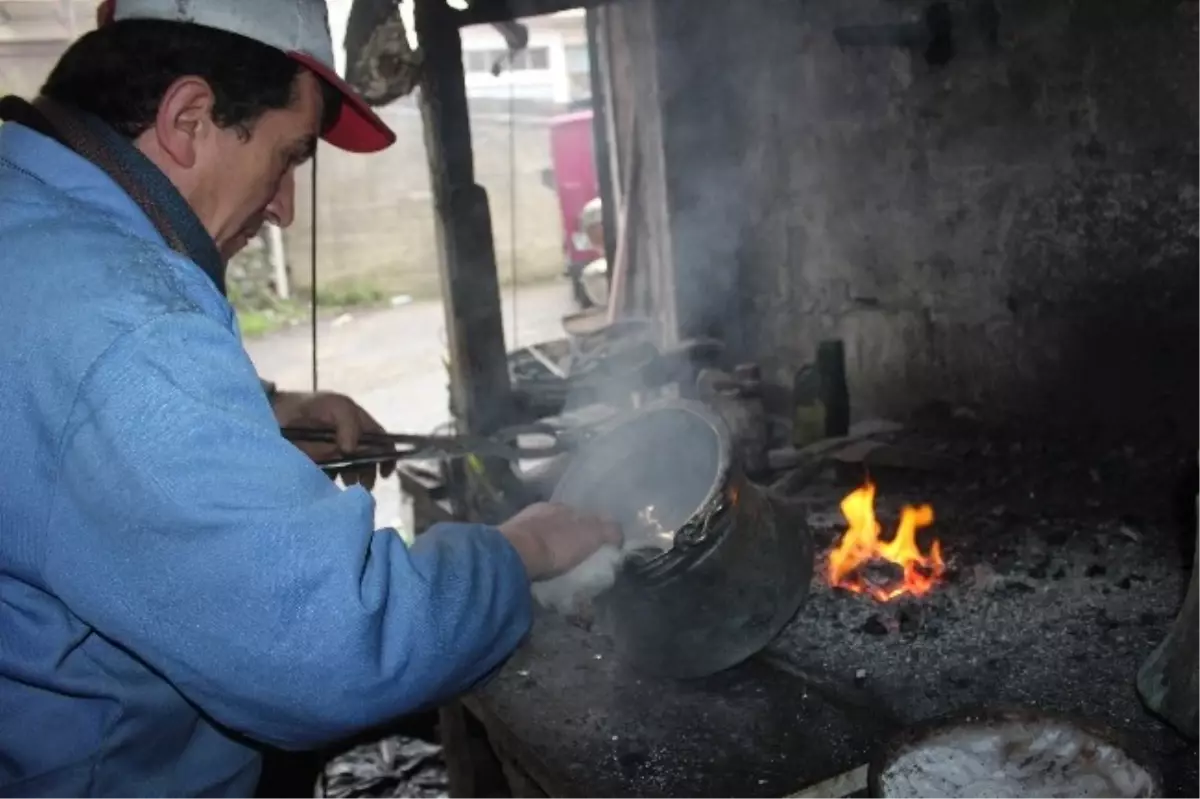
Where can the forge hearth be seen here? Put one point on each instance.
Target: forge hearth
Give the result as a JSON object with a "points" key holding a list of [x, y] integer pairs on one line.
{"points": [[1053, 593], [1063, 572], [864, 560]]}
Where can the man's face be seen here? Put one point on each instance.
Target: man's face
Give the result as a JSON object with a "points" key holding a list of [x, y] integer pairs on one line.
{"points": [[245, 181]]}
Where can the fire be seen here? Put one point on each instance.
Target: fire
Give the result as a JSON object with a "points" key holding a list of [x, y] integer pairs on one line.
{"points": [[861, 544]]}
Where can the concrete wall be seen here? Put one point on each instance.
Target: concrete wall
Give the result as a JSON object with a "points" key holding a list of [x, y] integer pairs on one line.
{"points": [[24, 66], [375, 214], [1016, 228]]}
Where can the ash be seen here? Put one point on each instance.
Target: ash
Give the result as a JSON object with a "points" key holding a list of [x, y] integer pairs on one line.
{"points": [[392, 767], [1019, 759], [1064, 571]]}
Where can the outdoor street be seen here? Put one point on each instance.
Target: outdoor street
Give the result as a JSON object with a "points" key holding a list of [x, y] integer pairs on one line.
{"points": [[390, 361]]}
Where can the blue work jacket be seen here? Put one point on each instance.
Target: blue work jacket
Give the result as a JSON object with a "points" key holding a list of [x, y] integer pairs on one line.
{"points": [[177, 581]]}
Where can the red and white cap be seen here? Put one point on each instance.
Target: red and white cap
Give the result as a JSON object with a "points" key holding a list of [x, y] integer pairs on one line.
{"points": [[300, 28]]}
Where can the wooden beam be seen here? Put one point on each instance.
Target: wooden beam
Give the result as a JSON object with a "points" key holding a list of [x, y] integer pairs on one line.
{"points": [[479, 384], [502, 739], [481, 11], [456, 750], [604, 134]]}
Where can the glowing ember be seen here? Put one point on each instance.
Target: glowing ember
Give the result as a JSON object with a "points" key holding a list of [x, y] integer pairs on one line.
{"points": [[861, 545]]}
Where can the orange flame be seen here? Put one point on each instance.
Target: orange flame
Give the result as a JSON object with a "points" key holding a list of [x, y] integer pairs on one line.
{"points": [[861, 544]]}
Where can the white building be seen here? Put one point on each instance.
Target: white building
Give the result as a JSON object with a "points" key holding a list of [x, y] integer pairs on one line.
{"points": [[33, 34], [553, 67]]}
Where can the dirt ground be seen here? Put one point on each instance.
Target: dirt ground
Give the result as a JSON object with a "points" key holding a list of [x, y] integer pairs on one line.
{"points": [[390, 361]]}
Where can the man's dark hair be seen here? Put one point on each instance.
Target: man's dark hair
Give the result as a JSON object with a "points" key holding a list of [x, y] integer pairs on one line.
{"points": [[121, 71]]}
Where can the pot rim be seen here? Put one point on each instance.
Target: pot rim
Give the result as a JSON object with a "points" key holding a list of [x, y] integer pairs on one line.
{"points": [[714, 497]]}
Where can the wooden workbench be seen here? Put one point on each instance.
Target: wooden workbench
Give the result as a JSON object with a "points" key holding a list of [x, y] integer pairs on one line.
{"points": [[566, 719]]}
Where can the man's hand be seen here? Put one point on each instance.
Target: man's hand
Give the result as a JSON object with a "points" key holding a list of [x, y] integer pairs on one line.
{"points": [[348, 421], [552, 539]]}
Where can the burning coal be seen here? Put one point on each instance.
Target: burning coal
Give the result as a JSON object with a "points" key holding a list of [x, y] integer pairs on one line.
{"points": [[860, 546]]}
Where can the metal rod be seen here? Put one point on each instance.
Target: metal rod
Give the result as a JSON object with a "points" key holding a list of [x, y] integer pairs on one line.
{"points": [[402, 446], [845, 784], [545, 361]]}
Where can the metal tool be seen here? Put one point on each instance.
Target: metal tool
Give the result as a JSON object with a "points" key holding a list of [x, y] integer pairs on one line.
{"points": [[940, 35], [404, 446]]}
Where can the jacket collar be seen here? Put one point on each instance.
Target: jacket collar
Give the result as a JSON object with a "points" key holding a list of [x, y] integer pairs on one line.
{"points": [[56, 165]]}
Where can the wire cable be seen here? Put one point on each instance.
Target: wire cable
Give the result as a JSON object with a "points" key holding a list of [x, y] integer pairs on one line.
{"points": [[323, 784], [512, 195], [313, 273]]}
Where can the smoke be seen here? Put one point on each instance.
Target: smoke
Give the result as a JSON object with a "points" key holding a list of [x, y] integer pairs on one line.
{"points": [[650, 474], [693, 192], [570, 594], [706, 240]]}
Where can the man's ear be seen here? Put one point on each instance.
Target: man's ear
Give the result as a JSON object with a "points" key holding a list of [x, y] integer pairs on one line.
{"points": [[184, 119]]}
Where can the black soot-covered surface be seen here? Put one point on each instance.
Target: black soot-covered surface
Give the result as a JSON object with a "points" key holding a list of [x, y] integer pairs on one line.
{"points": [[1065, 570], [586, 726]]}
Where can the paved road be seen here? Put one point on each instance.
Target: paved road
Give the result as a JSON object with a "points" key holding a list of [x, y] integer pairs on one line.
{"points": [[390, 362]]}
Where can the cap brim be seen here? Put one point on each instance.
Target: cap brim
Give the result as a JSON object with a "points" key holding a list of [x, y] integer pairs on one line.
{"points": [[357, 129]]}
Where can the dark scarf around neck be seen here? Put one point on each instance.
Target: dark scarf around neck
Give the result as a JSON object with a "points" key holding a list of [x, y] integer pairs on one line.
{"points": [[116, 156]]}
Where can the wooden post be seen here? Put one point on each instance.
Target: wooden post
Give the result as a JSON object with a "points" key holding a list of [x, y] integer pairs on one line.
{"points": [[1166, 682], [278, 255], [603, 128], [479, 385]]}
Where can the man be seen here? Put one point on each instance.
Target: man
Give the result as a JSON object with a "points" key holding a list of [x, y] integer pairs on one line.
{"points": [[594, 276], [336, 412], [178, 583]]}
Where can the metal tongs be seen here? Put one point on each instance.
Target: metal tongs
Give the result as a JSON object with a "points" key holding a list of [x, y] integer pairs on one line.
{"points": [[405, 446]]}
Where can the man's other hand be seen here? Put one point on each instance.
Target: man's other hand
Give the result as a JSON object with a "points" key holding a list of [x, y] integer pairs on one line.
{"points": [[552, 539], [347, 420]]}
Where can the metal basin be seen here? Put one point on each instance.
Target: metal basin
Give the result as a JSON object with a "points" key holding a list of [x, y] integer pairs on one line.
{"points": [[718, 569], [1011, 752]]}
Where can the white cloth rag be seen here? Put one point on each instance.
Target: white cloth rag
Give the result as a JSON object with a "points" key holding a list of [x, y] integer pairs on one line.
{"points": [[567, 592]]}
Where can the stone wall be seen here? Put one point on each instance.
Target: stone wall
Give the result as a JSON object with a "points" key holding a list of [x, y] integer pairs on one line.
{"points": [[1015, 229]]}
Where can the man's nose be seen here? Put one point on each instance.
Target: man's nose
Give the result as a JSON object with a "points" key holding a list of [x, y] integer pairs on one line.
{"points": [[282, 208]]}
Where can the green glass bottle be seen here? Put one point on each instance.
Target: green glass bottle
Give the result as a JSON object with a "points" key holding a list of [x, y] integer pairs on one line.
{"points": [[820, 398]]}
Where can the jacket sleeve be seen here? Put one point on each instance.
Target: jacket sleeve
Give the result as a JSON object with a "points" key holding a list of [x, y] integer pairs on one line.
{"points": [[185, 529]]}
